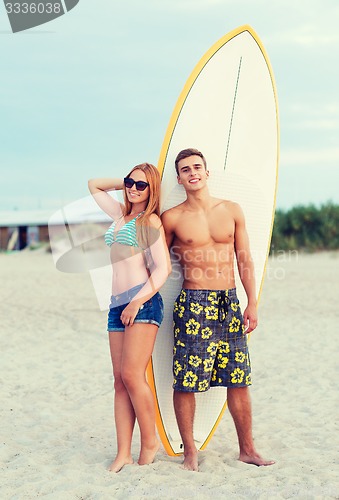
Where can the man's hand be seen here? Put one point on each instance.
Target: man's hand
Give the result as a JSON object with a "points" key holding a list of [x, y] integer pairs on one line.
{"points": [[250, 318]]}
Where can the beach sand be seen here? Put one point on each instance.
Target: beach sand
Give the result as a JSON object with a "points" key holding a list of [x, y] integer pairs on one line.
{"points": [[57, 427]]}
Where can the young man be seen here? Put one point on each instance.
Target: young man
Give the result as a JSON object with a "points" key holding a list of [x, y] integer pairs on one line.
{"points": [[210, 346]]}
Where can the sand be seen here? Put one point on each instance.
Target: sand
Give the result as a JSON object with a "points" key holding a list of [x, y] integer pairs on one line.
{"points": [[57, 428]]}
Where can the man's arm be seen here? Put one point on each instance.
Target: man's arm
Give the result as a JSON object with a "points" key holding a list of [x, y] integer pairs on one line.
{"points": [[245, 268], [167, 220]]}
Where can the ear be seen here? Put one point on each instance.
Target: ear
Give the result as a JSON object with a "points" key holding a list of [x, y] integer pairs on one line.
{"points": [[207, 173], [179, 180]]}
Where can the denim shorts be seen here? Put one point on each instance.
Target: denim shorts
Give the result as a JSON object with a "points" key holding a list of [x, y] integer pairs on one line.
{"points": [[151, 312], [210, 346]]}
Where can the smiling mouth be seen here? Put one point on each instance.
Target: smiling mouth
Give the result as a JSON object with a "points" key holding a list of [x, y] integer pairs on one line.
{"points": [[194, 181]]}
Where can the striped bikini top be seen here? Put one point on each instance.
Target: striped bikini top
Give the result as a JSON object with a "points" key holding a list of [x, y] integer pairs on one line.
{"points": [[126, 235]]}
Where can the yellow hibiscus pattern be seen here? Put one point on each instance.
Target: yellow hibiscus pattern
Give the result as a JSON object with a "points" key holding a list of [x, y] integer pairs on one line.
{"points": [[208, 364], [237, 376], [177, 367], [196, 308], [235, 325], [190, 379], [212, 348], [240, 357], [180, 343], [222, 361], [211, 312], [206, 333], [224, 347], [203, 385], [195, 361], [179, 309], [213, 298], [192, 327], [234, 306], [209, 350]]}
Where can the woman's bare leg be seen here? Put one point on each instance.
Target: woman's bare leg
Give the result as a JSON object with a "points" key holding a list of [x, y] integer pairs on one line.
{"points": [[138, 347], [123, 409]]}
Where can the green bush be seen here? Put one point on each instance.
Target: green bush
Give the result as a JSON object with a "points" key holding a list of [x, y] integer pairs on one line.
{"points": [[306, 228]]}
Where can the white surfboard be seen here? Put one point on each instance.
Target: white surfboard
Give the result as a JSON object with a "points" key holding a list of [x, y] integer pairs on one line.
{"points": [[227, 110]]}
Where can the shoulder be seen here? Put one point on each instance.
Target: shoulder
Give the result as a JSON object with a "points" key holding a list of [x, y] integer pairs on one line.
{"points": [[237, 210], [171, 215], [154, 221], [232, 207], [237, 214], [178, 209], [149, 229]]}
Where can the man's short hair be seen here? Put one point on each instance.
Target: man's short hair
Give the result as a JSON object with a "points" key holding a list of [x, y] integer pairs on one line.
{"points": [[185, 153]]}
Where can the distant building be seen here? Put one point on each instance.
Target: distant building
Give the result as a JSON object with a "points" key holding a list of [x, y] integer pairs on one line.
{"points": [[19, 229]]}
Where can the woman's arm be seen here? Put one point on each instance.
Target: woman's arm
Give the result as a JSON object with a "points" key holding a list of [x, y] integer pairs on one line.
{"points": [[161, 269], [99, 187], [161, 261]]}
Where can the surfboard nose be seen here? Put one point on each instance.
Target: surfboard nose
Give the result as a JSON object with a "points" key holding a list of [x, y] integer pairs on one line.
{"points": [[26, 15]]}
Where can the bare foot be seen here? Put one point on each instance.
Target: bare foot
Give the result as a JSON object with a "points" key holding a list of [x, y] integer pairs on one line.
{"points": [[255, 459], [119, 462], [147, 455], [191, 461]]}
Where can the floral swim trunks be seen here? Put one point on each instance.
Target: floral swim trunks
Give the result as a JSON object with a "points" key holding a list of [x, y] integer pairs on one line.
{"points": [[210, 346]]}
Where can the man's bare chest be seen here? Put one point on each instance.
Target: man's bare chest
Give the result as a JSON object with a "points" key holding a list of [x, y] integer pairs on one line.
{"points": [[198, 230]]}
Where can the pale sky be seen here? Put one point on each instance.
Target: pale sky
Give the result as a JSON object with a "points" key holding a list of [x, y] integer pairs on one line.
{"points": [[90, 94]]}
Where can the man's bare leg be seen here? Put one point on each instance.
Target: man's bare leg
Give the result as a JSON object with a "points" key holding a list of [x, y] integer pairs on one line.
{"points": [[239, 404], [184, 406]]}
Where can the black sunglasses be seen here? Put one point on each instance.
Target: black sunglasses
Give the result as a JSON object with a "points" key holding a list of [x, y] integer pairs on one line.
{"points": [[140, 185]]}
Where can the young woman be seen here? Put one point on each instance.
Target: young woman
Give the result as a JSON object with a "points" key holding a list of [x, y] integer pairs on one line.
{"points": [[141, 264]]}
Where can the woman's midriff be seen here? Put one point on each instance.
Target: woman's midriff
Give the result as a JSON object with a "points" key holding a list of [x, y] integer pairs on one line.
{"points": [[128, 270]]}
